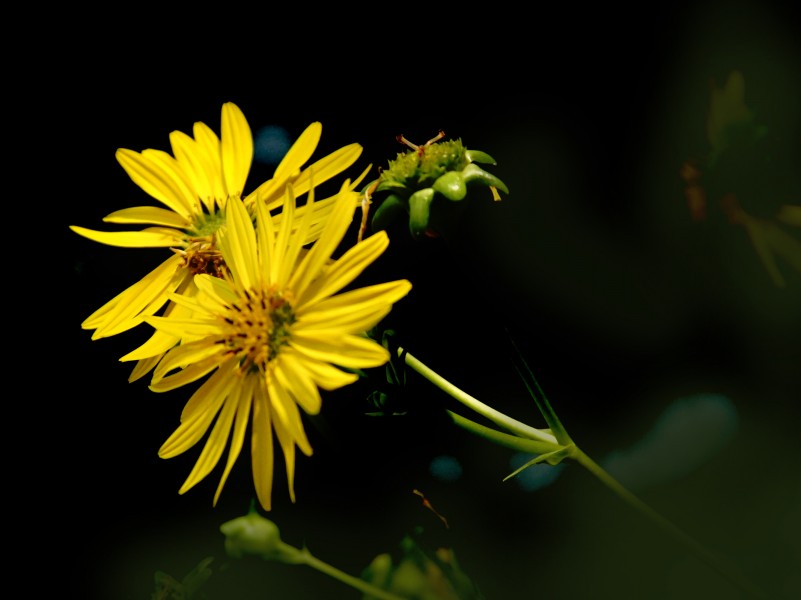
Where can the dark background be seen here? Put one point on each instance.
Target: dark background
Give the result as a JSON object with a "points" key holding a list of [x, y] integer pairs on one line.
{"points": [[620, 304]]}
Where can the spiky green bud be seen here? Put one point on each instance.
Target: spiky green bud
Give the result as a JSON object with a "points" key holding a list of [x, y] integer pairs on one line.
{"points": [[429, 180]]}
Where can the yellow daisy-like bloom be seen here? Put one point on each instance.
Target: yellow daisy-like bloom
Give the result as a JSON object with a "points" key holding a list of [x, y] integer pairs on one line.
{"points": [[195, 185], [272, 333]]}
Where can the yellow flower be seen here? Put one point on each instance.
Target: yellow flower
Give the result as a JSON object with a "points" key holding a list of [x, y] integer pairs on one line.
{"points": [[272, 334], [195, 185]]}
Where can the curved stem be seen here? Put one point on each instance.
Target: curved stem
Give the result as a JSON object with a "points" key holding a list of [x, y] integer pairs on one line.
{"points": [[680, 536], [490, 413], [312, 561]]}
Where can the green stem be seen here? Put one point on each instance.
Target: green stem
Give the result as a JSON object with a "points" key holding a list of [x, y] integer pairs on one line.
{"points": [[548, 443], [490, 413], [312, 561], [680, 536]]}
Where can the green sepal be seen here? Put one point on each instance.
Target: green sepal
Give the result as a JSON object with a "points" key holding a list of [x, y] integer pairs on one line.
{"points": [[479, 156], [474, 173], [387, 211], [420, 211], [390, 184], [451, 185]]}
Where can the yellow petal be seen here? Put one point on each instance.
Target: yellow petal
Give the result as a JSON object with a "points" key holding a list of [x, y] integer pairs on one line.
{"points": [[288, 446], [127, 308], [321, 209], [327, 376], [186, 435], [163, 383], [277, 263], [194, 426], [301, 225], [221, 384], [280, 402], [156, 345], [238, 245], [300, 152], [149, 172], [132, 239], [349, 351], [292, 376], [215, 444], [209, 153], [242, 395], [265, 241], [349, 266], [261, 446], [153, 215], [368, 299], [195, 163], [217, 293], [327, 167], [345, 321], [237, 149], [285, 408], [184, 355], [191, 328], [180, 181], [191, 306], [143, 367], [314, 261]]}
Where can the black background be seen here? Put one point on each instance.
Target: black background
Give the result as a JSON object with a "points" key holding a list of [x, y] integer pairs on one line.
{"points": [[619, 302]]}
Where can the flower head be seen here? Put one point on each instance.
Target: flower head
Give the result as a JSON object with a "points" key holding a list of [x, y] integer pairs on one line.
{"points": [[195, 185], [272, 332], [417, 180]]}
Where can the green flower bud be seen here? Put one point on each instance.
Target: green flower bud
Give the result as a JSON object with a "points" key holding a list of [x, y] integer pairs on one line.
{"points": [[253, 534], [420, 181]]}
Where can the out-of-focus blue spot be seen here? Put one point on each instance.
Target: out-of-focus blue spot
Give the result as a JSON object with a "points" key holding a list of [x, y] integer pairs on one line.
{"points": [[536, 476], [686, 435], [445, 468], [271, 144]]}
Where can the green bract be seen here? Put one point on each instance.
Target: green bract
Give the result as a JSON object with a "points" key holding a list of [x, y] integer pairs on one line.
{"points": [[418, 180]]}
